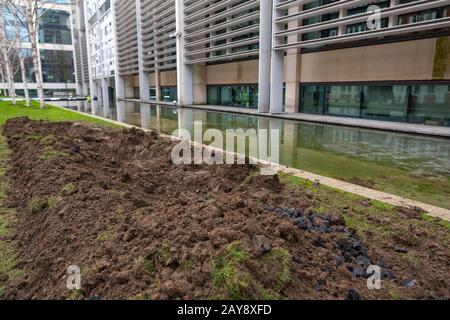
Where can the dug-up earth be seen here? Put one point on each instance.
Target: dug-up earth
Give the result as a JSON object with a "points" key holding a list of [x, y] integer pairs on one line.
{"points": [[140, 227]]}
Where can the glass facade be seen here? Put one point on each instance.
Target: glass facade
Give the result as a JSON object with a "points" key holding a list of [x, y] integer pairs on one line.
{"points": [[426, 15], [422, 104], [57, 66], [244, 96], [54, 27]]}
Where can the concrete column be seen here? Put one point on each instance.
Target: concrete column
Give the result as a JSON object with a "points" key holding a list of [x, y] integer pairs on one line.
{"points": [[184, 71], [277, 69], [199, 84], [265, 45], [119, 80], [92, 85], [93, 92], [393, 19], [79, 93], [292, 70], [105, 97], [158, 85], [144, 83], [85, 92], [120, 94], [342, 14]]}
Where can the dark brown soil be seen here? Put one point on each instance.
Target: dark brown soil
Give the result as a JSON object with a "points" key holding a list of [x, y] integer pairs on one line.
{"points": [[113, 203]]}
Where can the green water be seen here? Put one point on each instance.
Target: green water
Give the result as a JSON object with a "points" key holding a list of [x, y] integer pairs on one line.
{"points": [[412, 166]]}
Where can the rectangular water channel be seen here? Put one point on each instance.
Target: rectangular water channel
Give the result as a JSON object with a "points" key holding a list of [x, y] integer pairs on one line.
{"points": [[412, 166]]}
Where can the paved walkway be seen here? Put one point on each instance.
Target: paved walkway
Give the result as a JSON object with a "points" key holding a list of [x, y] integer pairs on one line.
{"points": [[345, 121]]}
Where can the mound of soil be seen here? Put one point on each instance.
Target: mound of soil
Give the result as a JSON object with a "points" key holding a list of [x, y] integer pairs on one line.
{"points": [[113, 203]]}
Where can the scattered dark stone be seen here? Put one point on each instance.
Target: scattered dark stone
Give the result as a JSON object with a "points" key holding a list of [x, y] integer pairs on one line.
{"points": [[387, 273], [76, 149], [126, 177], [362, 260], [94, 298], [317, 287], [409, 283], [339, 260], [366, 203], [318, 242], [353, 295], [401, 249], [358, 272], [353, 248]]}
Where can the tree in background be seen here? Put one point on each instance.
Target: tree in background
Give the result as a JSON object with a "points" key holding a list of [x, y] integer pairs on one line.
{"points": [[29, 13]]}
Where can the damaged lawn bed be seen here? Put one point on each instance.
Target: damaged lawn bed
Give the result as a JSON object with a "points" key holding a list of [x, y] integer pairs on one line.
{"points": [[139, 227]]}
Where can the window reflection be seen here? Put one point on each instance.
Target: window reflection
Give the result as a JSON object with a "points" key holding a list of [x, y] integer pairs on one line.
{"points": [[422, 104]]}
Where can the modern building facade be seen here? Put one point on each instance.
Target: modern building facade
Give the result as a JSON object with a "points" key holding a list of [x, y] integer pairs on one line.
{"points": [[55, 50], [380, 59]]}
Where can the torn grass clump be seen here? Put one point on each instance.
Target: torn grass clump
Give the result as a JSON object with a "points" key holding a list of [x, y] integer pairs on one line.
{"points": [[50, 153], [69, 189]]}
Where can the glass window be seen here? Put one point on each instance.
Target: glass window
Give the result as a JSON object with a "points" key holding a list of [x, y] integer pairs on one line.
{"points": [[244, 96], [153, 93], [422, 104], [313, 99], [426, 15], [54, 27], [343, 100], [57, 66], [430, 104], [169, 94], [363, 9], [385, 102], [361, 27]]}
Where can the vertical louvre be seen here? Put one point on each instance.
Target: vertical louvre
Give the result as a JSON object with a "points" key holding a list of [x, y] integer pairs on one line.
{"points": [[158, 28], [218, 30], [127, 43]]}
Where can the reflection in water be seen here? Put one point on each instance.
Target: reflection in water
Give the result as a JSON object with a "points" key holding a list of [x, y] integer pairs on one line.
{"points": [[408, 165]]}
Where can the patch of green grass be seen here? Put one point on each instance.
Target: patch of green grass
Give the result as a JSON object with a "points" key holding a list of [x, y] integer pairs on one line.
{"points": [[50, 153], [161, 258], [75, 295], [105, 235], [253, 174], [188, 265], [433, 220], [226, 272], [279, 259], [37, 205], [141, 204], [229, 272], [51, 202], [69, 189], [394, 294], [50, 113]]}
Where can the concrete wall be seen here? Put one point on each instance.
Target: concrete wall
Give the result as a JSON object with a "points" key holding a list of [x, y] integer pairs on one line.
{"points": [[168, 78], [408, 60], [232, 73]]}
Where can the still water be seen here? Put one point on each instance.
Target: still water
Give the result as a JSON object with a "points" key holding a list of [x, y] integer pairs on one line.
{"points": [[412, 166]]}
